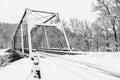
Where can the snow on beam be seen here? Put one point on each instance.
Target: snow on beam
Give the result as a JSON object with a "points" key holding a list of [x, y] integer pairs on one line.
{"points": [[50, 25]]}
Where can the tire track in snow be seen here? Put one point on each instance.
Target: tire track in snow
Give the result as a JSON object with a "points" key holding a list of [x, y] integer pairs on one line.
{"points": [[93, 66]]}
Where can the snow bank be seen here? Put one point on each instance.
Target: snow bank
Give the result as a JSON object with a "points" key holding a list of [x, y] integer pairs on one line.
{"points": [[19, 70], [106, 60], [2, 52]]}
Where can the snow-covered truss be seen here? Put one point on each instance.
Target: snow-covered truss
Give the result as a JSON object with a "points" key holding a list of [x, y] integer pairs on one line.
{"points": [[39, 29]]}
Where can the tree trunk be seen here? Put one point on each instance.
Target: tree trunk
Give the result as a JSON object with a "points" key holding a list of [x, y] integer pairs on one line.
{"points": [[115, 33], [114, 30], [87, 43], [107, 38], [97, 44]]}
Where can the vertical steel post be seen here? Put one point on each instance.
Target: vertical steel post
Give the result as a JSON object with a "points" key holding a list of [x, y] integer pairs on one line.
{"points": [[22, 40], [46, 37], [68, 45], [29, 32]]}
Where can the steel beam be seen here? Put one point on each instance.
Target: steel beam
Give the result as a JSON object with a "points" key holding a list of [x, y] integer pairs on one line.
{"points": [[68, 45], [42, 12]]}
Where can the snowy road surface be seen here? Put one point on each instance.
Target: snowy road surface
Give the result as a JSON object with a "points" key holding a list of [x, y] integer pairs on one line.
{"points": [[55, 67]]}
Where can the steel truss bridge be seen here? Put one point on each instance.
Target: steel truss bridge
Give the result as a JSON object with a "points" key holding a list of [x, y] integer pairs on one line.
{"points": [[40, 32], [33, 33]]}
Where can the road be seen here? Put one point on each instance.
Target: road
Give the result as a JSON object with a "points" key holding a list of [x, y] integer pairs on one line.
{"points": [[55, 67], [61, 68]]}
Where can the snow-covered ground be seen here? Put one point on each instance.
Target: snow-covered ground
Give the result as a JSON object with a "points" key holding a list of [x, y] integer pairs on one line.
{"points": [[2, 52], [109, 61], [92, 66], [18, 70]]}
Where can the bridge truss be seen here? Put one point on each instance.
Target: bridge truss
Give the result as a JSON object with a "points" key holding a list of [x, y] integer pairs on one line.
{"points": [[33, 31]]}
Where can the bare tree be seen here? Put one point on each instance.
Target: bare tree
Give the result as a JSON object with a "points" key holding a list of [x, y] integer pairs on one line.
{"points": [[96, 34], [109, 11], [83, 29]]}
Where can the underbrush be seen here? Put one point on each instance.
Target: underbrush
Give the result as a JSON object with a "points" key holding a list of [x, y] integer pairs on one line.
{"points": [[9, 58]]}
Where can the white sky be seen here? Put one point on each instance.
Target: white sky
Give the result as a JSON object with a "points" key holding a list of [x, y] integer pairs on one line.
{"points": [[12, 10]]}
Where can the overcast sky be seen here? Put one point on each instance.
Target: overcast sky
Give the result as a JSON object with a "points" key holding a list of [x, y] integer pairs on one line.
{"points": [[12, 10]]}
